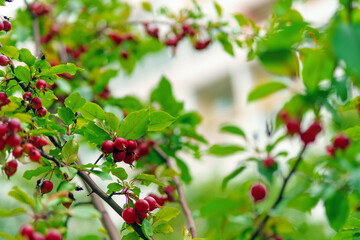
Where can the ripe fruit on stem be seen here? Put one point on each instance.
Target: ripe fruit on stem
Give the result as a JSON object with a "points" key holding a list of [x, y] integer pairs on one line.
{"points": [[310, 134], [47, 186], [120, 143], [17, 152], [14, 125], [152, 203], [131, 147], [268, 162], [38, 236], [10, 168], [53, 235], [28, 147], [35, 155], [293, 126], [129, 215], [36, 103], [107, 146], [341, 142], [41, 112], [40, 84], [27, 231], [119, 156], [27, 96], [3, 129], [142, 206], [69, 201], [3, 97], [4, 60], [130, 158], [13, 140], [258, 192]]}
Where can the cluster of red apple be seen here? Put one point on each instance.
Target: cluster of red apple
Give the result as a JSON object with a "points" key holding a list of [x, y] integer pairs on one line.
{"points": [[54, 30], [28, 233], [76, 53], [35, 102], [122, 149], [39, 9], [293, 127], [5, 25], [140, 210], [105, 94], [9, 136], [178, 35], [169, 191], [340, 142]]}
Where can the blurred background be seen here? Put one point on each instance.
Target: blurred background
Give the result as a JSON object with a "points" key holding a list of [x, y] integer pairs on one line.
{"points": [[214, 84]]}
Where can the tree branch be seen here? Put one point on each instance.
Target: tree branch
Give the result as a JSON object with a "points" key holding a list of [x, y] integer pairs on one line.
{"points": [[95, 188], [105, 218], [182, 199], [281, 194]]}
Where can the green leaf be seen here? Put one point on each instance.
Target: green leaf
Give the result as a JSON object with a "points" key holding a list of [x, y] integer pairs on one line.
{"points": [[218, 9], [66, 115], [62, 68], [164, 96], [70, 171], [346, 46], [26, 57], [280, 61], [114, 187], [224, 149], [218, 207], [135, 124], [22, 73], [160, 120], [75, 101], [163, 228], [104, 176], [147, 228], [265, 89], [317, 66], [84, 212], [21, 196], [112, 121], [337, 209], [166, 214], [7, 236], [233, 130], [231, 176], [66, 186], [91, 111], [28, 174], [150, 178], [146, 6], [69, 152], [9, 213], [353, 133], [227, 45], [184, 169], [10, 51], [119, 173]]}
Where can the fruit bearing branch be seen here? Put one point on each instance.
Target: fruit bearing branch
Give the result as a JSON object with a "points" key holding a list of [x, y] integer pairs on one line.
{"points": [[281, 194], [180, 191]]}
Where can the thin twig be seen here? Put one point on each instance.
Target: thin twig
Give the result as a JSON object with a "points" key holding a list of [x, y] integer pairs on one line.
{"points": [[281, 194], [182, 199], [105, 218]]}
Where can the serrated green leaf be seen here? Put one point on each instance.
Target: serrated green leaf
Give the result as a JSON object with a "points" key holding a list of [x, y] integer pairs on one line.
{"points": [[265, 89], [104, 176], [163, 228], [119, 173], [224, 149], [227, 45], [62, 68], [69, 152], [337, 209], [21, 196], [114, 187], [134, 125], [10, 51], [166, 214], [150, 178], [22, 73], [75, 101], [66, 115], [147, 228], [218, 9], [112, 121], [160, 120], [28, 174], [26, 57], [91, 111]]}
